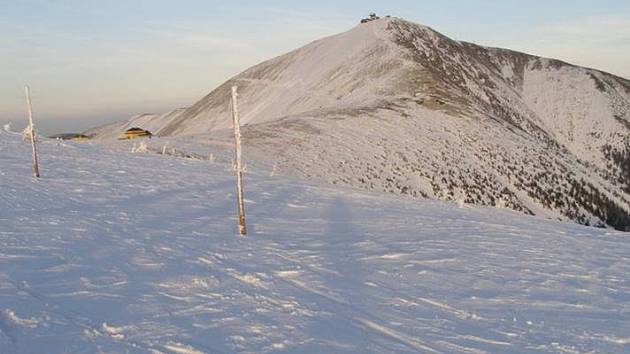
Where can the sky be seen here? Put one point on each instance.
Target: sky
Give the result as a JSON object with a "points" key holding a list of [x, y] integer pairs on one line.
{"points": [[92, 62]]}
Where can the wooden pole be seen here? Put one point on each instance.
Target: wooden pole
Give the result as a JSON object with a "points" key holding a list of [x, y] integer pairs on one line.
{"points": [[32, 128], [239, 170]]}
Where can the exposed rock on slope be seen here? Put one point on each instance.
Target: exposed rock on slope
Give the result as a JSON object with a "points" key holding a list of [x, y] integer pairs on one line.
{"points": [[397, 107]]}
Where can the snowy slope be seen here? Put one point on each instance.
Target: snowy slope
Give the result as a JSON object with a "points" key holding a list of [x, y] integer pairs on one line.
{"points": [[349, 70], [148, 121], [397, 107], [113, 252]]}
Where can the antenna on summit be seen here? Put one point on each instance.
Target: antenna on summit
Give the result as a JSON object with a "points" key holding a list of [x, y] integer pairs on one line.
{"points": [[371, 18]]}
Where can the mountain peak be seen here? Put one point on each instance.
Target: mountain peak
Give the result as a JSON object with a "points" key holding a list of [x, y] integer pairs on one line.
{"points": [[395, 106]]}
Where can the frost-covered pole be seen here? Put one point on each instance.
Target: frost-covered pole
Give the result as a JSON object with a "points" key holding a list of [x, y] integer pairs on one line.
{"points": [[239, 170], [32, 129]]}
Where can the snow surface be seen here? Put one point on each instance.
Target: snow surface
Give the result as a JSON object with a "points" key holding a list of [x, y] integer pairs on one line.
{"points": [[578, 115], [115, 252]]}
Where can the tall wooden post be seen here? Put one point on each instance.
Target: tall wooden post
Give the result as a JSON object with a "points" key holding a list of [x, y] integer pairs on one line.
{"points": [[32, 129], [239, 170]]}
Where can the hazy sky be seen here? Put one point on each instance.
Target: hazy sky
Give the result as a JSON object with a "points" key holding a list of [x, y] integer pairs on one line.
{"points": [[90, 62]]}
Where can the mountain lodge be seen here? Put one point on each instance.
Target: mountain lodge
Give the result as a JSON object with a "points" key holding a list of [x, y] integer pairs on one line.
{"points": [[133, 133]]}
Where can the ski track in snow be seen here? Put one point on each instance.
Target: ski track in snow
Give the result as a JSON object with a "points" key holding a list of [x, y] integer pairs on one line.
{"points": [[115, 252]]}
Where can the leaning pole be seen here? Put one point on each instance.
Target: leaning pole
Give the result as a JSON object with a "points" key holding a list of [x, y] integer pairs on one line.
{"points": [[29, 106], [239, 169]]}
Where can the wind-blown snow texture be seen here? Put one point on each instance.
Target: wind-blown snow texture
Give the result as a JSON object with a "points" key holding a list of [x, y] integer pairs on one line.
{"points": [[115, 252], [397, 107]]}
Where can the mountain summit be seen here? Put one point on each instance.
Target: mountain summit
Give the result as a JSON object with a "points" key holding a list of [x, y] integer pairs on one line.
{"points": [[397, 107]]}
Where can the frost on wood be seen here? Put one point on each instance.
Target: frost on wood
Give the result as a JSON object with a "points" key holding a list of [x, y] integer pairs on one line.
{"points": [[141, 148], [239, 167], [26, 133], [31, 133]]}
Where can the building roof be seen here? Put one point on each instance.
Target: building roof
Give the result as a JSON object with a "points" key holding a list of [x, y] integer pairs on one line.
{"points": [[135, 129]]}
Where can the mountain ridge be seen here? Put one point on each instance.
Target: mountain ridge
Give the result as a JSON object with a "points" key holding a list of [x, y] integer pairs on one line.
{"points": [[432, 117]]}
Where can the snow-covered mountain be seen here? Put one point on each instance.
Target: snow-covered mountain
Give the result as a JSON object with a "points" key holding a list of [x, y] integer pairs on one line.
{"points": [[149, 121], [112, 252], [397, 107]]}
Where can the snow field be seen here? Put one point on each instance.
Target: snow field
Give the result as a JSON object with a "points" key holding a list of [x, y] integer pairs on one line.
{"points": [[117, 252]]}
